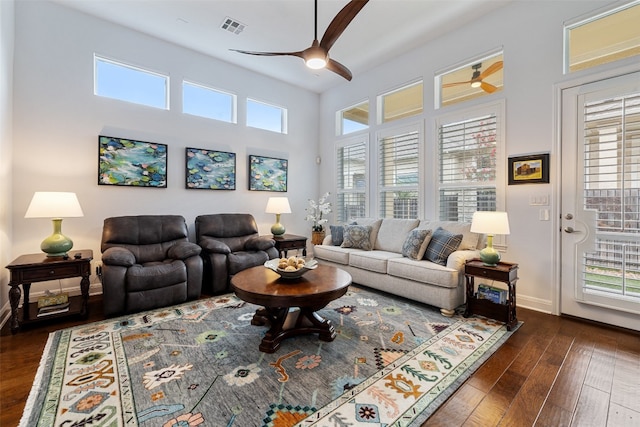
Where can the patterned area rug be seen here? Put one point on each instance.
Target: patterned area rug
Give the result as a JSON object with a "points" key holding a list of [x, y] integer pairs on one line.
{"points": [[393, 363]]}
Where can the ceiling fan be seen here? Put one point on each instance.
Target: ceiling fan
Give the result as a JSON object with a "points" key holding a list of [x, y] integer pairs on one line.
{"points": [[317, 55], [477, 79]]}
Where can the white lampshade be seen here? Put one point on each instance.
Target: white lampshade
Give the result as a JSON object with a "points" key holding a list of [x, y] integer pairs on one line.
{"points": [[53, 204], [487, 222], [278, 205]]}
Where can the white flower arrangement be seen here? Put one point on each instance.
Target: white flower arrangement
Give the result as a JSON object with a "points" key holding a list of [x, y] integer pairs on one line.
{"points": [[316, 210]]}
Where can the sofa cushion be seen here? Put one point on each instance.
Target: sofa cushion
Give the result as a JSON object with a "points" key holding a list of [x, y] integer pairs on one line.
{"points": [[372, 260], [469, 240], [375, 227], [337, 234], [442, 244], [393, 232], [415, 245], [423, 271], [358, 237], [336, 254]]}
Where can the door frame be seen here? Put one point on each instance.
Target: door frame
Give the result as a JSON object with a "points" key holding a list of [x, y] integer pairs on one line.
{"points": [[557, 169]]}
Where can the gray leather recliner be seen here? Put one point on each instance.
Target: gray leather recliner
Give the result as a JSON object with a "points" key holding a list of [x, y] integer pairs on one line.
{"points": [[230, 243], [148, 262]]}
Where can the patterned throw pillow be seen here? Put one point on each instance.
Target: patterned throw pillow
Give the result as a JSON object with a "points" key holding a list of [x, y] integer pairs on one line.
{"points": [[337, 234], [416, 243], [442, 244], [357, 237]]}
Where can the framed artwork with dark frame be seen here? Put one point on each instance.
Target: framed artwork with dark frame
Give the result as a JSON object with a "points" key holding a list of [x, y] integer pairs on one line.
{"points": [[210, 169], [131, 163], [267, 173], [533, 169]]}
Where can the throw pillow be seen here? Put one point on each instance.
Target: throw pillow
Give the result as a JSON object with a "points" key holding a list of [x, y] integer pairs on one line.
{"points": [[337, 234], [416, 243], [442, 244], [357, 237]]}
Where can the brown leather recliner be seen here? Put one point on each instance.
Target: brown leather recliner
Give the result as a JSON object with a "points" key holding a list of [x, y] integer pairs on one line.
{"points": [[230, 243], [148, 263]]}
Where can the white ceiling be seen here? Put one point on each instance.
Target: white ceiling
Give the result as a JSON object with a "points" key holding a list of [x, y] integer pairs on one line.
{"points": [[381, 31]]}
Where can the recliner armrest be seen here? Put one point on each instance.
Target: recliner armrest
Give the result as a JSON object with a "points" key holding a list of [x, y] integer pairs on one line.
{"points": [[118, 256], [259, 243], [183, 250], [214, 246]]}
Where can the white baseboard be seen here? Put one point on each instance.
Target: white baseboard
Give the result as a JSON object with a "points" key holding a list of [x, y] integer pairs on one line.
{"points": [[537, 304]]}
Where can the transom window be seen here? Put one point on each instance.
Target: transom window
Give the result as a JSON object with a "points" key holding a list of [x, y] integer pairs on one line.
{"points": [[207, 102], [266, 116], [132, 84], [401, 103], [353, 119], [605, 37]]}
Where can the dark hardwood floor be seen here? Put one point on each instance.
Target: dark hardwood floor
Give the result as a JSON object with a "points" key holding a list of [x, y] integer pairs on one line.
{"points": [[553, 371]]}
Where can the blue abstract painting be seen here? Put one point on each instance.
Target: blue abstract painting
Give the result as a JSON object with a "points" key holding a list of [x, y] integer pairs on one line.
{"points": [[267, 174], [131, 163], [210, 169]]}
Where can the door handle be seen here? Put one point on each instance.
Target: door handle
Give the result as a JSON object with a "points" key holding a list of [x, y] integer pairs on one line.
{"points": [[570, 230]]}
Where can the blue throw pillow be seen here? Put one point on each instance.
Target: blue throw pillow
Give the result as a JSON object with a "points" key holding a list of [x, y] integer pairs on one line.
{"points": [[442, 244], [337, 234], [357, 237], [416, 243]]}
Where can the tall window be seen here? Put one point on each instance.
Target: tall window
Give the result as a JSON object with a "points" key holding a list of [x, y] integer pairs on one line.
{"points": [[351, 179], [469, 150], [400, 103], [605, 37], [206, 102], [398, 173], [128, 83], [266, 116]]}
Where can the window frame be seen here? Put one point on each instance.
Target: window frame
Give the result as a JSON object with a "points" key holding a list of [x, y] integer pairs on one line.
{"points": [[380, 102], [340, 118], [233, 97], [283, 118]]}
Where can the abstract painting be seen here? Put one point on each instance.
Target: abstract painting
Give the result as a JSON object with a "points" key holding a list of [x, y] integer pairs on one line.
{"points": [[267, 174], [127, 162], [210, 169]]}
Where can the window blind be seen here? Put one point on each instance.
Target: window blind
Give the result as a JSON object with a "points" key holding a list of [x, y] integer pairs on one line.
{"points": [[399, 176], [351, 181]]}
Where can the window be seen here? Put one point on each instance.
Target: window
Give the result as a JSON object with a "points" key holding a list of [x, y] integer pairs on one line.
{"points": [[353, 119], [207, 102], [351, 179], [470, 152], [603, 38], [480, 77], [131, 84], [401, 103], [399, 177], [266, 116]]}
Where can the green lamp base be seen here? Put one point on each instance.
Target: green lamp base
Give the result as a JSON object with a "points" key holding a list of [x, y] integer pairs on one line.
{"points": [[489, 256], [277, 229], [57, 244]]}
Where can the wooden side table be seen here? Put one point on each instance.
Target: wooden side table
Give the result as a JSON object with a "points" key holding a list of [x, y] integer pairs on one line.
{"points": [[288, 242], [27, 269], [503, 272]]}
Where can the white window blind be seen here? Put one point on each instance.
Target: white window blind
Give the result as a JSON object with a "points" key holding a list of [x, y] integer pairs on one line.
{"points": [[467, 167], [398, 161], [351, 181]]}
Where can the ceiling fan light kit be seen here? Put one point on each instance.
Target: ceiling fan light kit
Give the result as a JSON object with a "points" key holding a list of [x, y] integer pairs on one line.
{"points": [[477, 78], [317, 55]]}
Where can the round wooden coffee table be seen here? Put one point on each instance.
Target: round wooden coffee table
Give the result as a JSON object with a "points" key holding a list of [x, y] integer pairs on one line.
{"points": [[290, 306]]}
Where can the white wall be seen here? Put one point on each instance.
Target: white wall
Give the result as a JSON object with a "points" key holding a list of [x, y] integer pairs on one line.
{"points": [[531, 34], [57, 120], [6, 140]]}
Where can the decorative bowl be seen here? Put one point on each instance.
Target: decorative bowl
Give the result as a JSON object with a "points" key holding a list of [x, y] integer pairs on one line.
{"points": [[310, 264]]}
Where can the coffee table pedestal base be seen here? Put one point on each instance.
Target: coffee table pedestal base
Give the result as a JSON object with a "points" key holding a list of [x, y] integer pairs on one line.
{"points": [[287, 323]]}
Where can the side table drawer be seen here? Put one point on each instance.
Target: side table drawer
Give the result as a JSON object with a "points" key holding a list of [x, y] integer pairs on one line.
{"points": [[35, 274]]}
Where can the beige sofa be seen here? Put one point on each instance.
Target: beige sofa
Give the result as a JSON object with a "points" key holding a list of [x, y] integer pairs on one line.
{"points": [[385, 268]]}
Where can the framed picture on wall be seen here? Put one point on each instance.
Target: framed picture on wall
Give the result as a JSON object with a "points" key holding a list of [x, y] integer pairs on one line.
{"points": [[210, 169], [533, 169], [131, 163], [267, 173]]}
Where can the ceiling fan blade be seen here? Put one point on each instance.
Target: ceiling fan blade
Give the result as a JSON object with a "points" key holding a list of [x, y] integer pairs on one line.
{"points": [[491, 69], [247, 52], [488, 87], [339, 69], [456, 84], [340, 22]]}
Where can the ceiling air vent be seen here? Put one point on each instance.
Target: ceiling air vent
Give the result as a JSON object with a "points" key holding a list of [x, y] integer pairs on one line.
{"points": [[232, 25]]}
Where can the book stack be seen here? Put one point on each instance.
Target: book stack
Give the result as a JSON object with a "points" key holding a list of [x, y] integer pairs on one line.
{"points": [[496, 295], [53, 309]]}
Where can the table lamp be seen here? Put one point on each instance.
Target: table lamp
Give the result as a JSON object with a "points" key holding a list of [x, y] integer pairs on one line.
{"points": [[55, 205], [490, 223], [278, 205]]}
